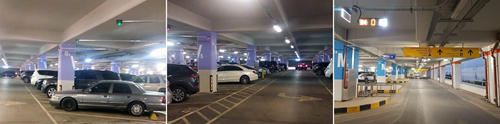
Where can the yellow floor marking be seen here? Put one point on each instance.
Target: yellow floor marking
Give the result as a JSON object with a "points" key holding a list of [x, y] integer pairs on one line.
{"points": [[213, 110], [202, 116]]}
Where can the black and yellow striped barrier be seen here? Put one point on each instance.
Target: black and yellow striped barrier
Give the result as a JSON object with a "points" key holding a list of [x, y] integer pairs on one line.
{"points": [[384, 91], [361, 107], [397, 81]]}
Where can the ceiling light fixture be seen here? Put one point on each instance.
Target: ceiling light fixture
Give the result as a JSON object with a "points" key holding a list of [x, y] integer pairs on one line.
{"points": [[277, 28], [287, 41], [291, 46], [222, 50], [159, 52]]}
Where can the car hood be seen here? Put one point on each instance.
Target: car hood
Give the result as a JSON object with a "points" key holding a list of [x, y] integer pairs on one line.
{"points": [[70, 92], [153, 93]]}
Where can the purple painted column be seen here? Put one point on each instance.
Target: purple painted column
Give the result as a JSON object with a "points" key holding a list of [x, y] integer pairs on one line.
{"points": [[267, 55], [66, 70], [42, 61], [325, 57], [207, 61], [251, 56], [115, 66], [276, 59], [235, 58]]}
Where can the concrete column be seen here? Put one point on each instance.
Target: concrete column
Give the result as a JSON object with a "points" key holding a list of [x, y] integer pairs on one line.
{"points": [[42, 61], [66, 70], [251, 56], [442, 75], [267, 55], [457, 74], [394, 72], [115, 66], [207, 62], [381, 70], [491, 78]]}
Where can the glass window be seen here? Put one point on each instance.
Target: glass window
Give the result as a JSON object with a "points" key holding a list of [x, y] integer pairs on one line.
{"points": [[140, 79], [106, 75], [473, 72], [231, 68], [179, 69], [154, 79], [47, 72], [89, 75], [121, 88], [101, 88]]}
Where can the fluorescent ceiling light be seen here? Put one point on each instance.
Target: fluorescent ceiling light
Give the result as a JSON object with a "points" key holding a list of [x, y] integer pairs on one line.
{"points": [[88, 60], [291, 46], [245, 59], [277, 28], [235, 52], [222, 50], [135, 66], [360, 65], [297, 59], [287, 41], [5, 66], [183, 52], [221, 56], [170, 44], [245, 54], [228, 57], [188, 57]]}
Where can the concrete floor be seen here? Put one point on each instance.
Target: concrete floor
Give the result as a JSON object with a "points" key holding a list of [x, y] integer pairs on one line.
{"points": [[423, 102], [18, 106], [273, 100]]}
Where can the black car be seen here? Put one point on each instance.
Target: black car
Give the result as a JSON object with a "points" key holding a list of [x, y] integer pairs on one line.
{"points": [[301, 66], [83, 79], [320, 67], [26, 76], [271, 65], [127, 77], [9, 74], [183, 81]]}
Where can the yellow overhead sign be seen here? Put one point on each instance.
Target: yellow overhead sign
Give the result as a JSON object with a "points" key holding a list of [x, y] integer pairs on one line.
{"points": [[442, 52], [421, 70]]}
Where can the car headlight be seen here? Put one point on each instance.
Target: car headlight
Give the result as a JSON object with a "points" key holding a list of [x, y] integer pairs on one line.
{"points": [[44, 82]]}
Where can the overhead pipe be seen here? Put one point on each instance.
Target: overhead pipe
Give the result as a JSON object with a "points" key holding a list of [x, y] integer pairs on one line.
{"points": [[485, 71], [495, 71]]}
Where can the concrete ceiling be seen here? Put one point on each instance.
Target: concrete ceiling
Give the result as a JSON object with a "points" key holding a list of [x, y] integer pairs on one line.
{"points": [[411, 29], [247, 23]]}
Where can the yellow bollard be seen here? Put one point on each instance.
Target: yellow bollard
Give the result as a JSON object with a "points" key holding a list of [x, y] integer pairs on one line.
{"points": [[263, 73]]}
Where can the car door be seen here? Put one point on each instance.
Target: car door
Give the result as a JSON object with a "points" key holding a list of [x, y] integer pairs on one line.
{"points": [[154, 83], [221, 74], [142, 81], [233, 73], [98, 96], [120, 95]]}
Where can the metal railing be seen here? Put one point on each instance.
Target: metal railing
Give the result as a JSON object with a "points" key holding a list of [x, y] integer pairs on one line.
{"points": [[367, 90]]}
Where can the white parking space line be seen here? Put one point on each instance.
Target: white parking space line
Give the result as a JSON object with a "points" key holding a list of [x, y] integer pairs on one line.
{"points": [[98, 116], [43, 108], [328, 89]]}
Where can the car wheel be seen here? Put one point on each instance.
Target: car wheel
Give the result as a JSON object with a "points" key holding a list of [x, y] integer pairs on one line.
{"points": [[366, 81], [68, 104], [136, 109], [26, 80], [179, 94], [319, 72], [244, 79], [51, 90]]}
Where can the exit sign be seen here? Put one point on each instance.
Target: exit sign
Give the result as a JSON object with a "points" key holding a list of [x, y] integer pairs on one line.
{"points": [[373, 22]]}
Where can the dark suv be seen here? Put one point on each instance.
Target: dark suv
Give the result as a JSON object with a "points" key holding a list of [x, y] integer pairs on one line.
{"points": [[271, 65], [10, 74], [183, 81], [320, 67], [26, 76], [283, 66], [83, 79]]}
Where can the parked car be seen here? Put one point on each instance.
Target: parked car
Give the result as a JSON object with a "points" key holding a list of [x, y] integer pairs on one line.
{"points": [[9, 74], [83, 79], [236, 73], [283, 66], [329, 71], [193, 65], [366, 77], [320, 67], [301, 66], [127, 77], [151, 82], [39, 82], [121, 95], [169, 94], [183, 81], [42, 73], [26, 76], [271, 65]]}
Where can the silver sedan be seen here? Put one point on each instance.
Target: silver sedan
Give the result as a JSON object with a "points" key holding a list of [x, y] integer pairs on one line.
{"points": [[121, 95]]}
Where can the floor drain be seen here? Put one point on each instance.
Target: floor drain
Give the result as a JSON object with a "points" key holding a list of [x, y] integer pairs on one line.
{"points": [[190, 109]]}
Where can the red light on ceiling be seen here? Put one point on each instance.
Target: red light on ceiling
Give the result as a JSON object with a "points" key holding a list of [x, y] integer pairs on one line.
{"points": [[58, 48], [208, 37], [168, 29]]}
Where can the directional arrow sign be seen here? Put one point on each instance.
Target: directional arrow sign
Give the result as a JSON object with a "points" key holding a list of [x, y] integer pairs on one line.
{"points": [[441, 52], [301, 98]]}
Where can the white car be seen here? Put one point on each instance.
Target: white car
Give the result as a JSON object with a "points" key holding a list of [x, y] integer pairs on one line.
{"points": [[236, 73], [329, 70], [151, 82], [42, 73]]}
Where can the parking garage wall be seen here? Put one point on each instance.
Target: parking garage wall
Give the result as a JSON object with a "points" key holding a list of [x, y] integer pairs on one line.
{"points": [[473, 76]]}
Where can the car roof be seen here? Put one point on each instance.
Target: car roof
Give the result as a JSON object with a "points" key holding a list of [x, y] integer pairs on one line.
{"points": [[45, 70], [116, 81]]}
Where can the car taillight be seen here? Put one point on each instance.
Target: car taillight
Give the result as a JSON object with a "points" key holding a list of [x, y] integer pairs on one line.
{"points": [[195, 86], [193, 75], [163, 101], [254, 72]]}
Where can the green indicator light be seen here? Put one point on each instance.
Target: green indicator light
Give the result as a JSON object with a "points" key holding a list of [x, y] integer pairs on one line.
{"points": [[119, 22], [77, 41]]}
